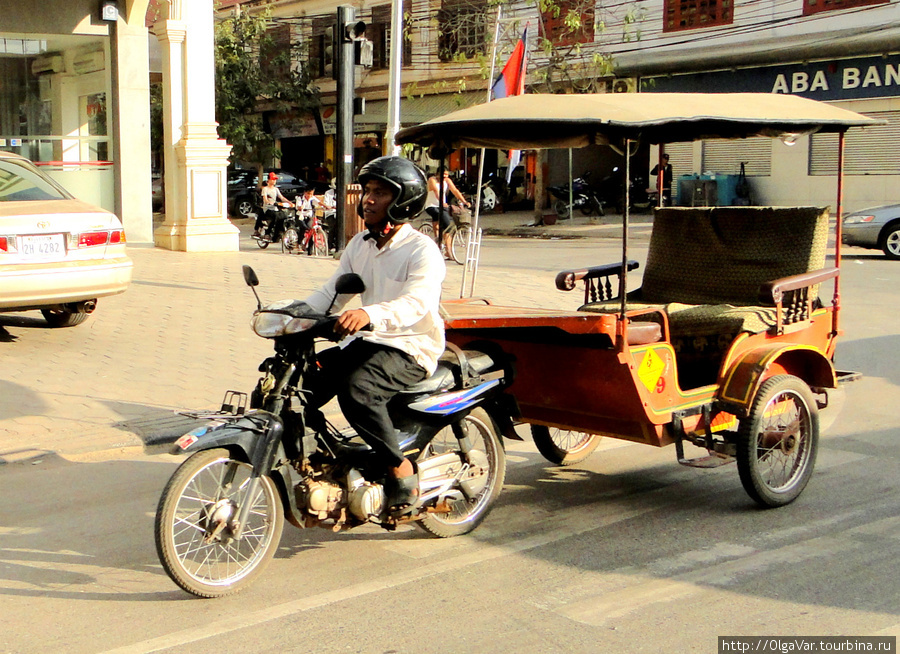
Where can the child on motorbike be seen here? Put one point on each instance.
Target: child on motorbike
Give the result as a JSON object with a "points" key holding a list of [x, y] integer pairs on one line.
{"points": [[403, 272]]}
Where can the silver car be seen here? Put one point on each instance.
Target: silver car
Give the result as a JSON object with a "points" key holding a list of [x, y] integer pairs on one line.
{"points": [[57, 254], [876, 227]]}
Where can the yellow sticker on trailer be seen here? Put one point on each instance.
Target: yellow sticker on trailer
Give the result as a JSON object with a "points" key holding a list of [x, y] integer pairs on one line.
{"points": [[652, 368]]}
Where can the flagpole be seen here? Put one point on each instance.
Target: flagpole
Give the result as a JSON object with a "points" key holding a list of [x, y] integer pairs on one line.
{"points": [[472, 262]]}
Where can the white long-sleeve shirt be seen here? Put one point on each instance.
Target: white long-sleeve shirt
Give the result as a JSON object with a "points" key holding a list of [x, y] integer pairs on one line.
{"points": [[403, 293]]}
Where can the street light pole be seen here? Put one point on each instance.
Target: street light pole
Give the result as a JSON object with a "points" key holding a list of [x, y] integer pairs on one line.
{"points": [[396, 68], [346, 31]]}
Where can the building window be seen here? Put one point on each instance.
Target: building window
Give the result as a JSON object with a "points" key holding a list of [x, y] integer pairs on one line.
{"points": [[815, 6], [694, 14], [379, 33], [567, 22], [321, 48], [463, 26], [275, 53]]}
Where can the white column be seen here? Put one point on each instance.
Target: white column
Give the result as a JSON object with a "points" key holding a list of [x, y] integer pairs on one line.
{"points": [[196, 159], [131, 130]]}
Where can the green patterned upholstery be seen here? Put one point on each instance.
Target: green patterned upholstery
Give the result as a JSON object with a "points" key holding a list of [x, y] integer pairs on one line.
{"points": [[705, 266]]}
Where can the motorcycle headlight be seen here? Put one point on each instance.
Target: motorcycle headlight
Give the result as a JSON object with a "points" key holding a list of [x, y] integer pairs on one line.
{"points": [[271, 325]]}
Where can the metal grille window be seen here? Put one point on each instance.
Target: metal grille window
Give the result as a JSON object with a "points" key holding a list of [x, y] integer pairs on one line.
{"points": [[869, 151], [816, 6], [275, 53], [379, 33], [463, 26], [567, 22], [724, 157], [321, 48], [694, 14]]}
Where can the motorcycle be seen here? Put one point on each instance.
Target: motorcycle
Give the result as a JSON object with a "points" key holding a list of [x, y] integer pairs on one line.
{"points": [[584, 198], [220, 517], [275, 225]]}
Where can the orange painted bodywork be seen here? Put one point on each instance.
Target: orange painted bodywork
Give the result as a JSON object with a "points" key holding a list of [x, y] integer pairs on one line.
{"points": [[570, 373]]}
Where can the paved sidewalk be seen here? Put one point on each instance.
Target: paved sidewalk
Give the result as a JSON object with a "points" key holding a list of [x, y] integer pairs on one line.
{"points": [[178, 338]]}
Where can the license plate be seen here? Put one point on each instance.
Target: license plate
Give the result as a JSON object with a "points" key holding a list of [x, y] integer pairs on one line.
{"points": [[43, 246]]}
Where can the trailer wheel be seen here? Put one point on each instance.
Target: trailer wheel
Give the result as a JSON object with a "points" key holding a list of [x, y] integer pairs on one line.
{"points": [[778, 441]]}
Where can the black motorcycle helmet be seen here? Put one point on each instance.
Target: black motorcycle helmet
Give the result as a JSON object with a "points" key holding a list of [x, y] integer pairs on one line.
{"points": [[408, 180]]}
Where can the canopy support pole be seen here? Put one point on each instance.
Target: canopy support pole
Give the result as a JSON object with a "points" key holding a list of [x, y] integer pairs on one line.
{"points": [[838, 233], [622, 328], [470, 268]]}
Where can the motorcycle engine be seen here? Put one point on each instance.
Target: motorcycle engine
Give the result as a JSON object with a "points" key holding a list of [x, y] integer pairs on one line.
{"points": [[328, 500]]}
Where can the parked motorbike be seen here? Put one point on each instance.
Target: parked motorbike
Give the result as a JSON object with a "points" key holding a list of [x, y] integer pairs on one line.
{"points": [[221, 515], [583, 197]]}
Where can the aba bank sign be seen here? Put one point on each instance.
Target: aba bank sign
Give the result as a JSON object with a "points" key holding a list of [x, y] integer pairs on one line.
{"points": [[853, 81], [845, 79]]}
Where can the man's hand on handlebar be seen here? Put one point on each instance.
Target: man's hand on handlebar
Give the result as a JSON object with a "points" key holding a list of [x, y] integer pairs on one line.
{"points": [[350, 322]]}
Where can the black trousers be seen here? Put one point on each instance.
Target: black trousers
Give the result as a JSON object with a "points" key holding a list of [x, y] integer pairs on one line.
{"points": [[365, 376]]}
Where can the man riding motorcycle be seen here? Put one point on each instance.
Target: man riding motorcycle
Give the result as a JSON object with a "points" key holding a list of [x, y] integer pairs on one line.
{"points": [[403, 271]]}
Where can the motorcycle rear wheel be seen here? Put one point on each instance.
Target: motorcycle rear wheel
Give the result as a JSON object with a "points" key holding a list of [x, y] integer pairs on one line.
{"points": [[200, 559], [466, 513]]}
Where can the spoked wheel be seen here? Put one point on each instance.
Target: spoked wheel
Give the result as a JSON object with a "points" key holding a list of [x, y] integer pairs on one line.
{"points": [[562, 446], [428, 229], [561, 207], [778, 441], [196, 521], [459, 243], [318, 244], [471, 499], [290, 240]]}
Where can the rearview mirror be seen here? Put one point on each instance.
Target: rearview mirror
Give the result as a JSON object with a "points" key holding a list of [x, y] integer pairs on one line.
{"points": [[349, 284], [250, 276]]}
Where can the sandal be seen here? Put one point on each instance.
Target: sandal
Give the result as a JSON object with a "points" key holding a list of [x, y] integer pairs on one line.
{"points": [[403, 492]]}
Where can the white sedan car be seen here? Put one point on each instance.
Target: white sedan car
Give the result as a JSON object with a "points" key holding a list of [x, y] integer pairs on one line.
{"points": [[57, 254]]}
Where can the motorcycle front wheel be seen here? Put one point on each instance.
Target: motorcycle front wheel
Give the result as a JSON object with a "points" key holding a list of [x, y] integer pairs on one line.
{"points": [[196, 519], [561, 207], [290, 240], [469, 503]]}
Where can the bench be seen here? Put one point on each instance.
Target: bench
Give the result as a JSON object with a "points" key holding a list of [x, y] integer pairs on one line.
{"points": [[715, 272]]}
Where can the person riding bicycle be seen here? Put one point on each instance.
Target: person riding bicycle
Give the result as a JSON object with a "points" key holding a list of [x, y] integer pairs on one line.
{"points": [[403, 272], [442, 220], [270, 214], [306, 207]]}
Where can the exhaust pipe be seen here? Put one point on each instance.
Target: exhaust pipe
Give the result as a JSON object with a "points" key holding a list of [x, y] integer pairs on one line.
{"points": [[88, 306]]}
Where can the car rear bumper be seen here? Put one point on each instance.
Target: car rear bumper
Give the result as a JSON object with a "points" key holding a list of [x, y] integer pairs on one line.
{"points": [[862, 235], [32, 286]]}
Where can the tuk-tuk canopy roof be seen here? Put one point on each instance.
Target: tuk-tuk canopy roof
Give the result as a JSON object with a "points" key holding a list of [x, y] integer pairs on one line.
{"points": [[570, 121]]}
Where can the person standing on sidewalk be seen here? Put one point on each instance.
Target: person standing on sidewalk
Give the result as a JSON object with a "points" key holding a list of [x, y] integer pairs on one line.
{"points": [[666, 180], [403, 272]]}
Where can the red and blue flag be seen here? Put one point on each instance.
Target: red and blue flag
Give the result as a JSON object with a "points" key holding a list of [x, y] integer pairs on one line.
{"points": [[511, 81]]}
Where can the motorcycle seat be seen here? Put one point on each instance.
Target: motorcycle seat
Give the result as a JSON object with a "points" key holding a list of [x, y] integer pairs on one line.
{"points": [[444, 377]]}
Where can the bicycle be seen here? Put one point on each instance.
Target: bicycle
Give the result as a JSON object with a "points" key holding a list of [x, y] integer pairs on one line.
{"points": [[314, 241], [460, 234]]}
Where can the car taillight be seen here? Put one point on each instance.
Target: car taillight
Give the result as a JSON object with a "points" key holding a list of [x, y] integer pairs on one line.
{"points": [[117, 236], [90, 239], [4, 244]]}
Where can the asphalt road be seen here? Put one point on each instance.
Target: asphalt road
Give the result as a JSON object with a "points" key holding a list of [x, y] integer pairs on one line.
{"points": [[627, 552]]}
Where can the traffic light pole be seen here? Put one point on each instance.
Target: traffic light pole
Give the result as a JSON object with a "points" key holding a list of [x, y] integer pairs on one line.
{"points": [[345, 74]]}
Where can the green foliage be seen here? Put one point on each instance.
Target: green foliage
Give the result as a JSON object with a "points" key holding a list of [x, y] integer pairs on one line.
{"points": [[256, 73]]}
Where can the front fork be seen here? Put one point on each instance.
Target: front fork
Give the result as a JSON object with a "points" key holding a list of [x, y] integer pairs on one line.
{"points": [[264, 454]]}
